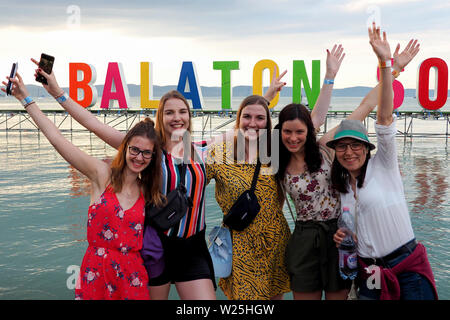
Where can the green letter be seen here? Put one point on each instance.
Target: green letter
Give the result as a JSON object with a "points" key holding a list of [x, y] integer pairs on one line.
{"points": [[226, 67], [299, 75]]}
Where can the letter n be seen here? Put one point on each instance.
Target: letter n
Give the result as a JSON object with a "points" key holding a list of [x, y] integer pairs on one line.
{"points": [[299, 76]]}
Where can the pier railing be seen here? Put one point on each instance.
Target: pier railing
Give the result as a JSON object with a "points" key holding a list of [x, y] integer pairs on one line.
{"points": [[209, 123]]}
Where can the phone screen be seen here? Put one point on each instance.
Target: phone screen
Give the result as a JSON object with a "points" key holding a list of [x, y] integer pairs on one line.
{"points": [[46, 63], [11, 75]]}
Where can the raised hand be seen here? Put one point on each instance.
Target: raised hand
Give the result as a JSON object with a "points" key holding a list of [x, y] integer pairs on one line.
{"points": [[18, 90], [401, 60], [334, 60], [276, 85], [52, 87], [379, 43]]}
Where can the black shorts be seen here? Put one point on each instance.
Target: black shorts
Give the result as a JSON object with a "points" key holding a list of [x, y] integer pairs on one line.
{"points": [[185, 260]]}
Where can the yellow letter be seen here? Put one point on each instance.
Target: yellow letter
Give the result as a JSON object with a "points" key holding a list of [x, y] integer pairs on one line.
{"points": [[147, 87], [260, 66]]}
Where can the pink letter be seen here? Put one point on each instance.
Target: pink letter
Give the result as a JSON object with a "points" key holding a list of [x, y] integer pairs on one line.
{"points": [[115, 80]]}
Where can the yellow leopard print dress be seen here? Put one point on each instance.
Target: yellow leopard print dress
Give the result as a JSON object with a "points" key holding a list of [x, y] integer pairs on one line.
{"points": [[259, 266]]}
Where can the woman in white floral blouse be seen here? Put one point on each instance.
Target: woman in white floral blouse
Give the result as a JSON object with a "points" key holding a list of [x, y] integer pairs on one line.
{"points": [[304, 172]]}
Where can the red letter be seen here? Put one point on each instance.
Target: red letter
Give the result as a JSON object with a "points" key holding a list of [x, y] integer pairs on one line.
{"points": [[441, 84]]}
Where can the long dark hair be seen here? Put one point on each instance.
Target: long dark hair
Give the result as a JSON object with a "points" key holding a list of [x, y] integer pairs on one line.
{"points": [[313, 157], [340, 176]]}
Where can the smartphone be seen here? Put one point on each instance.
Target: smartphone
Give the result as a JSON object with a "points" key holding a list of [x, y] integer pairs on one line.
{"points": [[12, 75], [46, 64]]}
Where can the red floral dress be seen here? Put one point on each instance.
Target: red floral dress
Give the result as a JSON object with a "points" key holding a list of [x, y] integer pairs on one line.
{"points": [[112, 267]]}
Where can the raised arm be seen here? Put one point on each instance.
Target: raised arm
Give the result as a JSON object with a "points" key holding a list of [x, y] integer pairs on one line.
{"points": [[97, 171], [382, 50], [370, 101], [108, 134], [320, 110]]}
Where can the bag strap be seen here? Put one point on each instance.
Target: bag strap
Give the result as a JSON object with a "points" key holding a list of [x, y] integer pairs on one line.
{"points": [[287, 200], [182, 174], [255, 176]]}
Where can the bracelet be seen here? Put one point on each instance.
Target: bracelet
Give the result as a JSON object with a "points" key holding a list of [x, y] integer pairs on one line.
{"points": [[385, 64], [62, 97], [395, 73], [328, 81], [25, 102], [25, 106]]}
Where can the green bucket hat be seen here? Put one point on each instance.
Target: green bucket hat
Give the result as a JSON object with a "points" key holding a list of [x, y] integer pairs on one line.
{"points": [[351, 129]]}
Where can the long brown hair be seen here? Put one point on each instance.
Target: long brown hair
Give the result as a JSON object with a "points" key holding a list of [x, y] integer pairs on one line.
{"points": [[259, 100], [150, 177]]}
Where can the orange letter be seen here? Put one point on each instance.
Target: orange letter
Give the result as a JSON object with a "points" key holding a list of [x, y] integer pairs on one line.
{"points": [[81, 78]]}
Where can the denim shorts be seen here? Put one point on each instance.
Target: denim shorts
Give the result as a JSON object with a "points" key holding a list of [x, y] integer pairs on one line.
{"points": [[413, 286]]}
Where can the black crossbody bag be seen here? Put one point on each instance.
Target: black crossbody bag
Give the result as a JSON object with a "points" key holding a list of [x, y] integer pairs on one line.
{"points": [[246, 207], [178, 202]]}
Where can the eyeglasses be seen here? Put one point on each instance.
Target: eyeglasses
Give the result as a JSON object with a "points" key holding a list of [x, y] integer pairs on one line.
{"points": [[146, 154], [355, 146]]}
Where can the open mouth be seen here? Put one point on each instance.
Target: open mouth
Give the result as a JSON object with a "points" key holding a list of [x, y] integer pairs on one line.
{"points": [[292, 145], [137, 164], [177, 125]]}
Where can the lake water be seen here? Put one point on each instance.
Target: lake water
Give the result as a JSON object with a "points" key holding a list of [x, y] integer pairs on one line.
{"points": [[44, 202]]}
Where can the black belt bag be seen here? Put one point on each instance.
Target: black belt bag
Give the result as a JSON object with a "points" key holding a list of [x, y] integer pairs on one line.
{"points": [[177, 205], [246, 207]]}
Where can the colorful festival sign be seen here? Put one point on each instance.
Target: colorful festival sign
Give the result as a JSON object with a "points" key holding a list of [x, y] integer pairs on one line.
{"points": [[82, 77]]}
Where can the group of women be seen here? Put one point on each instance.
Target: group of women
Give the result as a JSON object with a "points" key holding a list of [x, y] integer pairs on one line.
{"points": [[320, 175]]}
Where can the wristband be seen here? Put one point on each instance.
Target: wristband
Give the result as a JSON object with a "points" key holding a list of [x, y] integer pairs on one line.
{"points": [[385, 64], [61, 98], [25, 102], [328, 81]]}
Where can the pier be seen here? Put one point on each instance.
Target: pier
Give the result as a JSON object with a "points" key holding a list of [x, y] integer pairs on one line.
{"points": [[208, 123]]}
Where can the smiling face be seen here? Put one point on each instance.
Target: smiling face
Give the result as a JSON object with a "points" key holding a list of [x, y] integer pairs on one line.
{"points": [[252, 118], [176, 118], [137, 163], [353, 157], [293, 135]]}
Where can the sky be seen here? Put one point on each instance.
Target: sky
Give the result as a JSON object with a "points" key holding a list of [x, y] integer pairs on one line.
{"points": [[168, 32]]}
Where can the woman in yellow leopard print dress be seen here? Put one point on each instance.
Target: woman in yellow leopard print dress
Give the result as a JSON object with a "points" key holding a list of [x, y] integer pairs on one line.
{"points": [[259, 267]]}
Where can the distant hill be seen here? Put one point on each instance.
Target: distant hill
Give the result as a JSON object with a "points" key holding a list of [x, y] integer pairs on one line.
{"points": [[238, 91]]}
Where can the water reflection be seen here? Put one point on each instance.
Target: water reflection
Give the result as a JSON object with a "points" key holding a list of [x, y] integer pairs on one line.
{"points": [[44, 203], [431, 183]]}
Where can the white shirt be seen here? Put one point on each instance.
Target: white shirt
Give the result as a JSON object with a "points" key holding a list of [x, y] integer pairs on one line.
{"points": [[383, 222]]}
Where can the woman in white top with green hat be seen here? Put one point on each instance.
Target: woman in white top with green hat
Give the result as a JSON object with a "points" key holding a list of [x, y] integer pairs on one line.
{"points": [[372, 188]]}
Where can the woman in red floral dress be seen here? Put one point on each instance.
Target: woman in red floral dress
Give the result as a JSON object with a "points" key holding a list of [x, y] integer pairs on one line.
{"points": [[112, 267]]}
